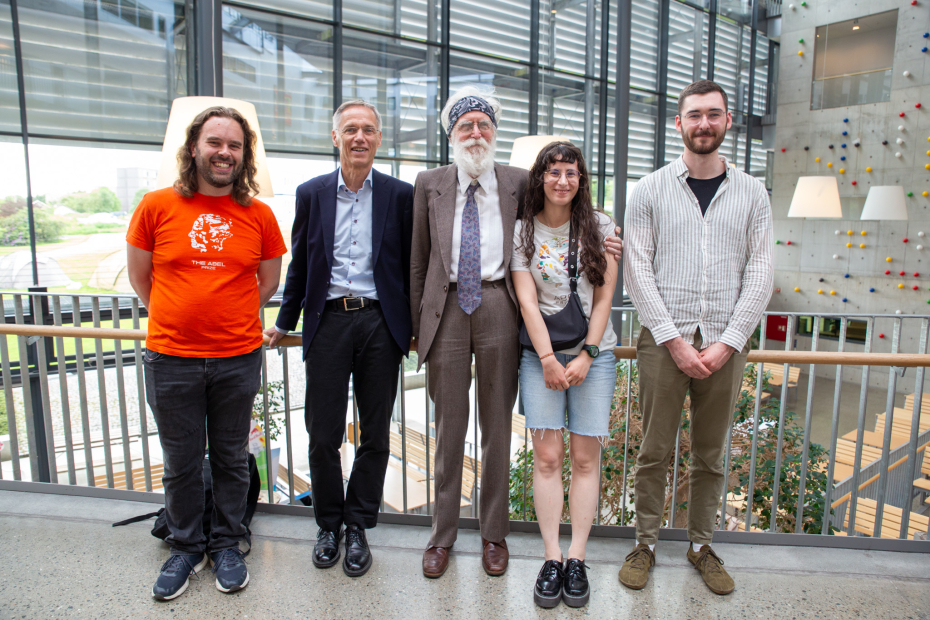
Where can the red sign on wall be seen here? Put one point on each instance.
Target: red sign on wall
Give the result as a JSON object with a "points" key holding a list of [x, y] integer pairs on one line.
{"points": [[776, 328]]}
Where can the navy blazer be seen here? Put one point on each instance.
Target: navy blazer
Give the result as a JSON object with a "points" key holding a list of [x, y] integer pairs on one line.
{"points": [[310, 271]]}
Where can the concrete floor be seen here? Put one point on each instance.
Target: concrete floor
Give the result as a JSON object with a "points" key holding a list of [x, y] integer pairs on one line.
{"points": [[61, 559]]}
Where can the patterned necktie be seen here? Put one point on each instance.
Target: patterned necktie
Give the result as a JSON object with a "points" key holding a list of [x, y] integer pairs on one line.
{"points": [[469, 276]]}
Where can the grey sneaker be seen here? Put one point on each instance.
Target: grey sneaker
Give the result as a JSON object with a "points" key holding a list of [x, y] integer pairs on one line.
{"points": [[175, 575], [635, 571], [231, 572]]}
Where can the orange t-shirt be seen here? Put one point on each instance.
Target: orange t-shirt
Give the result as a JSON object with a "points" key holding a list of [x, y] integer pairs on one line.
{"points": [[205, 254]]}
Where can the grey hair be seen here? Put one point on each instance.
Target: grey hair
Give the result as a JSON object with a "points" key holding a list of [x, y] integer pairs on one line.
{"points": [[337, 115], [471, 90]]}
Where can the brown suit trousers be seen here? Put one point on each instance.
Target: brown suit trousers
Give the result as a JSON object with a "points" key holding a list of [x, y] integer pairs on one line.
{"points": [[447, 338]]}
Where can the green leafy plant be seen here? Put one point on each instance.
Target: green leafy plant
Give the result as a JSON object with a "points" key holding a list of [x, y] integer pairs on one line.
{"points": [[14, 230], [275, 405], [101, 200]]}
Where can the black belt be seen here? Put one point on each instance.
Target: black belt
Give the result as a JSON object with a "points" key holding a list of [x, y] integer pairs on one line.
{"points": [[348, 304]]}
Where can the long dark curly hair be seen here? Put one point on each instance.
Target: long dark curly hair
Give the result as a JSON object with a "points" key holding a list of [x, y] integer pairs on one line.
{"points": [[245, 186], [592, 261]]}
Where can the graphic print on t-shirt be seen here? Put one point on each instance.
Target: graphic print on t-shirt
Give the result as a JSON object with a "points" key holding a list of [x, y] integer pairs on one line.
{"points": [[553, 264], [209, 232]]}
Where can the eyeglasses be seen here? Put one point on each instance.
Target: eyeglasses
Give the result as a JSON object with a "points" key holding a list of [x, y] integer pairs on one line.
{"points": [[713, 117], [351, 130], [466, 127], [554, 174]]}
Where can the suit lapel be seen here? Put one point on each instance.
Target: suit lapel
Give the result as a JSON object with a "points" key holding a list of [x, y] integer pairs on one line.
{"points": [[327, 202], [445, 214], [380, 203], [508, 205]]}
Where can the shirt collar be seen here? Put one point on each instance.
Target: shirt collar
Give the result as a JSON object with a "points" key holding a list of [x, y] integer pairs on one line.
{"points": [[487, 180], [681, 169], [342, 183]]}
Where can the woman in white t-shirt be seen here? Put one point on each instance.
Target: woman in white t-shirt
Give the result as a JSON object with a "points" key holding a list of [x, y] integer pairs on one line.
{"points": [[577, 382]]}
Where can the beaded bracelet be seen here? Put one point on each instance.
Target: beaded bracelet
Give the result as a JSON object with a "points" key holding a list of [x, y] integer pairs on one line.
{"points": [[542, 357]]}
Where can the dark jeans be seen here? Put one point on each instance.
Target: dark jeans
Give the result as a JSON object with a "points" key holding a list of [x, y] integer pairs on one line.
{"points": [[198, 401], [356, 343]]}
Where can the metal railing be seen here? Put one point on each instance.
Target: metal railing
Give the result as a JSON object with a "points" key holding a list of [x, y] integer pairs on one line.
{"points": [[113, 431]]}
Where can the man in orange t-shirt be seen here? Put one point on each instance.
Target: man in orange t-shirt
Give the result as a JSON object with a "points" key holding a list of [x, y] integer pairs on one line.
{"points": [[204, 256]]}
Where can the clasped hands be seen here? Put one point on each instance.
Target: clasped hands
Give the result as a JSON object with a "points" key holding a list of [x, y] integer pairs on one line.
{"points": [[699, 364]]}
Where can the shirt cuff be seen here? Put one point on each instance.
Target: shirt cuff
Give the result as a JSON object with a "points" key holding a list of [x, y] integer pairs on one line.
{"points": [[665, 332], [733, 338], [282, 331]]}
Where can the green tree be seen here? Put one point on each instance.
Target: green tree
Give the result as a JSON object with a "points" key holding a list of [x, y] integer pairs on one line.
{"points": [[14, 230], [11, 204], [138, 198], [101, 200]]}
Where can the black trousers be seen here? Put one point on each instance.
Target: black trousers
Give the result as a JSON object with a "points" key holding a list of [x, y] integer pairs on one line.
{"points": [[354, 343]]}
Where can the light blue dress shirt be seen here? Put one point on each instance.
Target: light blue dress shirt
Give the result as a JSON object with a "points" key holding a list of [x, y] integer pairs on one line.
{"points": [[352, 274]]}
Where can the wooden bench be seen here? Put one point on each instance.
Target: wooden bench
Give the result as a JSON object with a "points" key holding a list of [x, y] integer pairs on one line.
{"points": [[871, 438], [866, 510], [846, 453], [138, 478], [416, 456], [924, 403], [901, 423], [778, 374], [923, 483]]}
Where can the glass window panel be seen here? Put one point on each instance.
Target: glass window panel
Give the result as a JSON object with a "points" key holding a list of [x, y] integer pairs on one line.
{"points": [[319, 9], [726, 57], [512, 84], [497, 27], [737, 10], [644, 44], [410, 18], [612, 39], [107, 69], [761, 92], [687, 46], [284, 66], [674, 146], [13, 164], [742, 86], [568, 107], [642, 133], [565, 36], [9, 91], [402, 79]]}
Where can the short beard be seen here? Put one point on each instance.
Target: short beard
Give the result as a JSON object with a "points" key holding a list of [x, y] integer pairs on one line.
{"points": [[704, 150], [206, 171], [474, 163]]}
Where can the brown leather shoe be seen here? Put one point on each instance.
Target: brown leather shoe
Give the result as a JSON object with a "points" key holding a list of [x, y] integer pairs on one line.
{"points": [[435, 561], [494, 557]]}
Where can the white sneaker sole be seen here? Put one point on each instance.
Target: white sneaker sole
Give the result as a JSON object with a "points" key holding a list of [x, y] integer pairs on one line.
{"points": [[233, 589], [199, 567]]}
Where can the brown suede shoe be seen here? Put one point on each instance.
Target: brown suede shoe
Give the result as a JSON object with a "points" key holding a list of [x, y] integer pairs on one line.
{"points": [[711, 567], [435, 561], [494, 557], [635, 570]]}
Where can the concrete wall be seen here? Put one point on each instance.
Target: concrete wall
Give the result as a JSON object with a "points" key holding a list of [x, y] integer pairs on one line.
{"points": [[809, 263]]}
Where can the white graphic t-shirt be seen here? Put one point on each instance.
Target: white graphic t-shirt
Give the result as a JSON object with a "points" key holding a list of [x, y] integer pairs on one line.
{"points": [[549, 269]]}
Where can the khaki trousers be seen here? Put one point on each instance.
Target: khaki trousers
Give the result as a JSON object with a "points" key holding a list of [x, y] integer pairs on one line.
{"points": [[490, 332], [662, 390]]}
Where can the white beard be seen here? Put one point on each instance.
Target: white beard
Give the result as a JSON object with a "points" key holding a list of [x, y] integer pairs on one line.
{"points": [[474, 161]]}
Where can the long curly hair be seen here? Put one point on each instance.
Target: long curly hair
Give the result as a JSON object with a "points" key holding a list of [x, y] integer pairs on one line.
{"points": [[592, 261], [245, 186]]}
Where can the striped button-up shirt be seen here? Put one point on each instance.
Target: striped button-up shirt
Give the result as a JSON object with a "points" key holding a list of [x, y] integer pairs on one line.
{"points": [[684, 271]]}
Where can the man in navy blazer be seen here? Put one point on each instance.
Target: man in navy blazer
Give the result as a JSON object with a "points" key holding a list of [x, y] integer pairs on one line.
{"points": [[350, 274]]}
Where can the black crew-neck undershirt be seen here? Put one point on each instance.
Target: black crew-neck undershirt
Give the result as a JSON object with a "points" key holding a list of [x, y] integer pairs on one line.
{"points": [[705, 189]]}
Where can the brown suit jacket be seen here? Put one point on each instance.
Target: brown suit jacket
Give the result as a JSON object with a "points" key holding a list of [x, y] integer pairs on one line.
{"points": [[431, 251]]}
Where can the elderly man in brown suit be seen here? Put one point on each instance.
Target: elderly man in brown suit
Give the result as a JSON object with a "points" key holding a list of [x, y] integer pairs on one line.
{"points": [[462, 303]]}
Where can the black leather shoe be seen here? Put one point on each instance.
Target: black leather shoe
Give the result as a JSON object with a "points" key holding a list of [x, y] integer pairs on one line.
{"points": [[326, 549], [358, 557], [548, 590], [575, 590]]}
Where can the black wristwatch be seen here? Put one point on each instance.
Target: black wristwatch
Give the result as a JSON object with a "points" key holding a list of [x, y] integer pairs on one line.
{"points": [[591, 350]]}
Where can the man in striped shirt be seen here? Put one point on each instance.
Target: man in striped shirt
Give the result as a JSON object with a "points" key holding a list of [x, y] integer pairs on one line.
{"points": [[699, 270]]}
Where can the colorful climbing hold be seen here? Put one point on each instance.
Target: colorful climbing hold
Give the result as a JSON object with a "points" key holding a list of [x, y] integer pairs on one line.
{"points": [[848, 245], [868, 169], [817, 159]]}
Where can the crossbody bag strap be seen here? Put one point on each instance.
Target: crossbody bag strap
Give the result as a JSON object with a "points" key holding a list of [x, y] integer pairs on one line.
{"points": [[573, 260]]}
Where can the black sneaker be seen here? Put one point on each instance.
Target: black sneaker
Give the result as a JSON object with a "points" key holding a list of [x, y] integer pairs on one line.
{"points": [[548, 590], [175, 575], [358, 556], [575, 590], [326, 549], [229, 568]]}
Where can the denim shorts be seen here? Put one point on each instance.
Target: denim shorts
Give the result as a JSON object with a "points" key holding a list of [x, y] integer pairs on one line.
{"points": [[587, 406]]}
